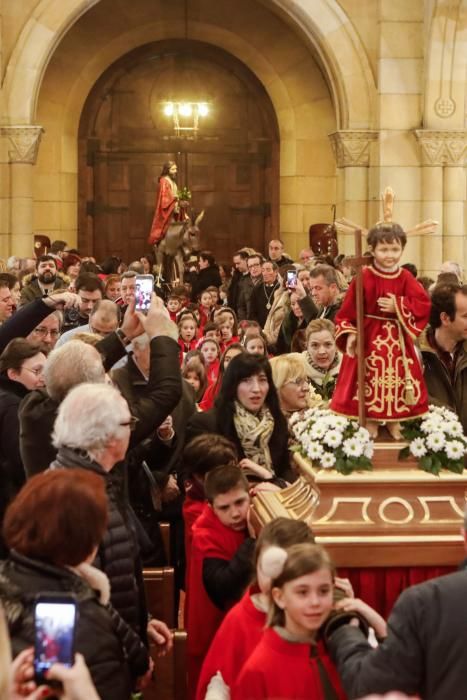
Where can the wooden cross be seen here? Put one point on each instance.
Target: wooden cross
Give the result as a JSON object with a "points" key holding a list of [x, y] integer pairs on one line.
{"points": [[357, 262]]}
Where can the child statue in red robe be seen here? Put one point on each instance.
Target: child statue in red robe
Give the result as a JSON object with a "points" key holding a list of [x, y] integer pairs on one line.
{"points": [[396, 310]]}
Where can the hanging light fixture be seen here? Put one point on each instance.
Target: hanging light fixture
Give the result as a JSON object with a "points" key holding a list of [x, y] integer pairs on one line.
{"points": [[186, 114]]}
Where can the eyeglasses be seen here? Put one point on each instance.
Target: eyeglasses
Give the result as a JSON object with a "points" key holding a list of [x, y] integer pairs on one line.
{"points": [[45, 331], [131, 423], [250, 267], [298, 382], [37, 371]]}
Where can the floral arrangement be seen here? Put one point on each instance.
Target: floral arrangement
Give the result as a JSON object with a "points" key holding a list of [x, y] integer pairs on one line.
{"points": [[184, 194], [332, 441], [437, 440]]}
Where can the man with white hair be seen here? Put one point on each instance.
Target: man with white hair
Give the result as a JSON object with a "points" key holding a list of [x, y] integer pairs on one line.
{"points": [[97, 439]]}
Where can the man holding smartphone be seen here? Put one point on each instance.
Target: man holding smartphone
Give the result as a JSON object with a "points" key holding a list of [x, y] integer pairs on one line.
{"points": [[324, 299]]}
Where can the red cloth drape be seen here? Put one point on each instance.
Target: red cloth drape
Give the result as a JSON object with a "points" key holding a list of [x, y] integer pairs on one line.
{"points": [[380, 587]]}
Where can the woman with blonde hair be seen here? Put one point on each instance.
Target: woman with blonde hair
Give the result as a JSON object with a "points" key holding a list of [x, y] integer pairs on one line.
{"points": [[290, 375], [322, 356]]}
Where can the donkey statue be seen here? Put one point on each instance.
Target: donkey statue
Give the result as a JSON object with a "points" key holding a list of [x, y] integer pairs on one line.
{"points": [[181, 240]]}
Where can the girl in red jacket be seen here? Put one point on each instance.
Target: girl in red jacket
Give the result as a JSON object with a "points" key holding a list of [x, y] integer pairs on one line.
{"points": [[290, 661], [243, 627]]}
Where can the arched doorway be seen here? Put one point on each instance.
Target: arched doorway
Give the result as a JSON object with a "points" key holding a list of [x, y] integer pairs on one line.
{"points": [[231, 168]]}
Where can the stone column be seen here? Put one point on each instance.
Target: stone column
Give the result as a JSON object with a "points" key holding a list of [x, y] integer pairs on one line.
{"points": [[352, 153], [444, 194], [23, 147]]}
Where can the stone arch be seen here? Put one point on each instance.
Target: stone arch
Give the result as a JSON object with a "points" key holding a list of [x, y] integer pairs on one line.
{"points": [[323, 23]]}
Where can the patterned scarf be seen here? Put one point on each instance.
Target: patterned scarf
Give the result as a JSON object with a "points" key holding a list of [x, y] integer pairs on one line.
{"points": [[254, 432]]}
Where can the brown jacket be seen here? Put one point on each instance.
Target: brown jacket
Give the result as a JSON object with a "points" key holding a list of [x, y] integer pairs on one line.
{"points": [[442, 391]]}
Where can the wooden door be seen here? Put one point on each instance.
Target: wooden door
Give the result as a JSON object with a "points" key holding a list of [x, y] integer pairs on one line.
{"points": [[231, 168], [230, 190]]}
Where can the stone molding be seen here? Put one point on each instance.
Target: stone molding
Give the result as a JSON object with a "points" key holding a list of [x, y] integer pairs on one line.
{"points": [[24, 142], [443, 147], [351, 147]]}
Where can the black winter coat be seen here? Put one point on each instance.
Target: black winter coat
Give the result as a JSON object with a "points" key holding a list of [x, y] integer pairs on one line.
{"points": [[210, 422], [11, 467], [425, 652], [207, 277], [113, 653], [118, 553], [12, 474], [38, 411]]}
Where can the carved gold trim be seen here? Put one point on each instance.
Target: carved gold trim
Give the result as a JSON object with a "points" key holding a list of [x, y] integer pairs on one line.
{"points": [[387, 539], [352, 147], [364, 501], [443, 147], [400, 501], [427, 520], [24, 142]]}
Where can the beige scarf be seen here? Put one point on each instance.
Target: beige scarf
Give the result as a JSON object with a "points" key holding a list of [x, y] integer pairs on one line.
{"points": [[254, 432]]}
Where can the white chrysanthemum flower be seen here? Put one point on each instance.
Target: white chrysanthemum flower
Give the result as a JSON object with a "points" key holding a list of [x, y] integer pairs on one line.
{"points": [[435, 441], [417, 447], [431, 426], [314, 450], [352, 447], [453, 428], [328, 460], [362, 434], [318, 431], [333, 438], [455, 449], [368, 450], [340, 422]]}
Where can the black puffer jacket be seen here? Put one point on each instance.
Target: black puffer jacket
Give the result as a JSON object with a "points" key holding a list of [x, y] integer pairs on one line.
{"points": [[113, 652], [12, 473], [118, 554]]}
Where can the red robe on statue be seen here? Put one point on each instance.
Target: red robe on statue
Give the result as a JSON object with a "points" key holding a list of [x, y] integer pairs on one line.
{"points": [[388, 339], [165, 209]]}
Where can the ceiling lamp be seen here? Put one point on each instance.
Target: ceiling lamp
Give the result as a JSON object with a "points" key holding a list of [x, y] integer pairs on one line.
{"points": [[185, 116]]}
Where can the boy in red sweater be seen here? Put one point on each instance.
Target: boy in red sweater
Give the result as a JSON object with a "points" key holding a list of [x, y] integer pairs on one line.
{"points": [[221, 561]]}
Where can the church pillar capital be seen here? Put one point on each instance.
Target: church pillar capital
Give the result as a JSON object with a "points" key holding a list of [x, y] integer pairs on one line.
{"points": [[352, 147], [23, 143], [443, 148]]}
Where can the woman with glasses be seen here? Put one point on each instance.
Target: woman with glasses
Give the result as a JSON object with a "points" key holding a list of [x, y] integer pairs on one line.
{"points": [[21, 371], [290, 375], [247, 412]]}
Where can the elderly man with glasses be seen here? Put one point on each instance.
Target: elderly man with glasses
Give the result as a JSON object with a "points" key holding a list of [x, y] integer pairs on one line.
{"points": [[47, 332], [97, 440]]}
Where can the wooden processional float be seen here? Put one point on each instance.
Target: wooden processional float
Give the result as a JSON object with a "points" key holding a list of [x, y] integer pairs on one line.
{"points": [[394, 515]]}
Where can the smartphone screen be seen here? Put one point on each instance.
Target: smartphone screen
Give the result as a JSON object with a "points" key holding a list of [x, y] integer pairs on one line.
{"points": [[291, 278], [144, 290], [54, 622]]}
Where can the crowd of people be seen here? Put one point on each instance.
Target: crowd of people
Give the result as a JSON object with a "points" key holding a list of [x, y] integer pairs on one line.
{"points": [[113, 421]]}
